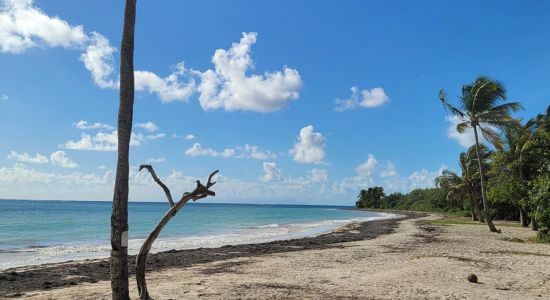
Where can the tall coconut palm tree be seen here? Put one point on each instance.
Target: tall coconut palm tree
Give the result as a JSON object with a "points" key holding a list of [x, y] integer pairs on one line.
{"points": [[119, 215], [479, 108]]}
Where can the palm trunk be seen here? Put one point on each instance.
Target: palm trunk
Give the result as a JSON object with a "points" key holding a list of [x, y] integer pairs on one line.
{"points": [[480, 215], [119, 215], [483, 197], [472, 206]]}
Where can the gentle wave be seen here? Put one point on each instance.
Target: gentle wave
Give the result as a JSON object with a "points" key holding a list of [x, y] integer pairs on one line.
{"points": [[274, 225]]}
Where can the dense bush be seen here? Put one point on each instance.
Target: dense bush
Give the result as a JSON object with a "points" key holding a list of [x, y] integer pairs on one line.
{"points": [[539, 197]]}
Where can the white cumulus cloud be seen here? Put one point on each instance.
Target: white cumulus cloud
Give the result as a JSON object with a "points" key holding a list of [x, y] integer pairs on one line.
{"points": [[229, 87], [310, 147], [271, 172], [59, 158], [389, 170], [252, 151], [187, 137], [246, 151], [148, 126], [365, 169], [23, 26], [366, 98], [85, 125], [169, 88], [198, 150], [99, 60], [25, 157], [424, 179], [100, 142], [318, 175]]}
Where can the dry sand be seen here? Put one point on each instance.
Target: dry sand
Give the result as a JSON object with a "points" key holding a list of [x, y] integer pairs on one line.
{"points": [[415, 262]]}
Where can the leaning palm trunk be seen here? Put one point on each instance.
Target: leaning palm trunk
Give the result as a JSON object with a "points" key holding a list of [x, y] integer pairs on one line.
{"points": [[119, 215], [199, 192], [486, 212]]}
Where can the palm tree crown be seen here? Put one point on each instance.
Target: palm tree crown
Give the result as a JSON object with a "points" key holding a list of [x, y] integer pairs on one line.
{"points": [[479, 107]]}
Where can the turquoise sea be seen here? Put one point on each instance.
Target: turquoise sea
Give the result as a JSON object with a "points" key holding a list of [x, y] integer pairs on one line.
{"points": [[35, 232]]}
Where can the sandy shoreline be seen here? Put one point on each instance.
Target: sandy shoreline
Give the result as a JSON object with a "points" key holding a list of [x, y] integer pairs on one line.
{"points": [[20, 280], [415, 261]]}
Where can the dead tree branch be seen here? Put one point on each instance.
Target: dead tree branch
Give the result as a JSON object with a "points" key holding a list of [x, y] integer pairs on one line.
{"points": [[157, 180], [200, 191]]}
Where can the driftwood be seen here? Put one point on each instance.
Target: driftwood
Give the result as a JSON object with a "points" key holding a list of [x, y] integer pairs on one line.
{"points": [[199, 192]]}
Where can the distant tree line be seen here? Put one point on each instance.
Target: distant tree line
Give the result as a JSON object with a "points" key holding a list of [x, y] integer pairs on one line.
{"points": [[510, 181], [432, 199]]}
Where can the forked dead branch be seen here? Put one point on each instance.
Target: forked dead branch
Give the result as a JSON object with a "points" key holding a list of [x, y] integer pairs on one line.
{"points": [[200, 191]]}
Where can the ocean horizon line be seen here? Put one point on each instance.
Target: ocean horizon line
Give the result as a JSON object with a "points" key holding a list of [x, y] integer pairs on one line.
{"points": [[201, 202]]}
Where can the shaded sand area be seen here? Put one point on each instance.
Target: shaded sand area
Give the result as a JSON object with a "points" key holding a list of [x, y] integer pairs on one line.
{"points": [[410, 258]]}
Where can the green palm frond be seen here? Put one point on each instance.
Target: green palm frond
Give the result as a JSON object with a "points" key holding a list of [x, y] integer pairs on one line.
{"points": [[461, 127], [462, 161], [492, 136], [448, 106], [532, 124], [484, 94], [502, 123], [510, 106]]}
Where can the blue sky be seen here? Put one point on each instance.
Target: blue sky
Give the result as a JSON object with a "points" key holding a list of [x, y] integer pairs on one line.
{"points": [[264, 90]]}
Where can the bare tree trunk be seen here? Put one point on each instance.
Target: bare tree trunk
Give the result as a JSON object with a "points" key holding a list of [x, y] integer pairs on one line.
{"points": [[141, 259], [119, 215], [483, 197], [199, 192]]}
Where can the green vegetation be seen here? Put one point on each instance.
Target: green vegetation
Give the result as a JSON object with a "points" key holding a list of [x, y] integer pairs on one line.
{"points": [[509, 181], [433, 199], [539, 196]]}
